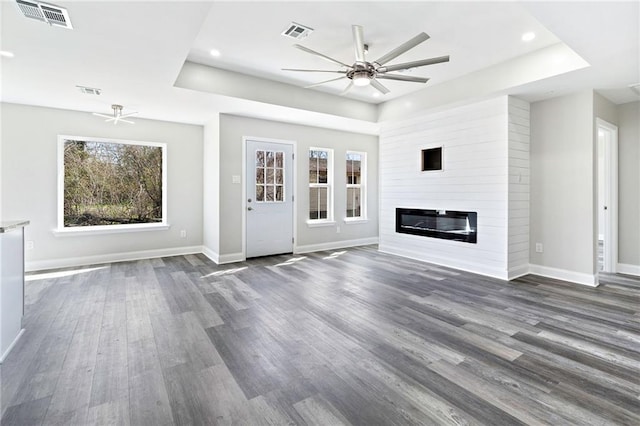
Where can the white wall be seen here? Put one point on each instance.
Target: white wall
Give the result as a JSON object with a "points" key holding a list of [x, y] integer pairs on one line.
{"points": [[234, 128], [478, 165], [629, 187], [211, 188], [29, 188], [519, 186], [563, 187]]}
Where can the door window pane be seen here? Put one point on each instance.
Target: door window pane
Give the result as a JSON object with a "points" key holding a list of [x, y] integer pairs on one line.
{"points": [[269, 171]]}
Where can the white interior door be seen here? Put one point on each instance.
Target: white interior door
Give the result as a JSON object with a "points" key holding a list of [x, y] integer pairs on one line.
{"points": [[269, 203]]}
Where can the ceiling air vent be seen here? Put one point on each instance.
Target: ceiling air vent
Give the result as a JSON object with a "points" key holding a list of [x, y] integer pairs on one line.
{"points": [[49, 13], [297, 31], [89, 90]]}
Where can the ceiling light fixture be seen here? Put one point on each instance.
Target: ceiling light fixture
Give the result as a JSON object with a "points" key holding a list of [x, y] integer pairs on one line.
{"points": [[6, 54], [528, 36], [214, 52], [361, 79], [117, 115]]}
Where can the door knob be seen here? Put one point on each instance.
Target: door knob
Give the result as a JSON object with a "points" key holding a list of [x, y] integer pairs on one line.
{"points": [[249, 208]]}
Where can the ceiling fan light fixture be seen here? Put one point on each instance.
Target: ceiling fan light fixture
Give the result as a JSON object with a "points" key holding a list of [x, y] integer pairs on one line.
{"points": [[361, 79]]}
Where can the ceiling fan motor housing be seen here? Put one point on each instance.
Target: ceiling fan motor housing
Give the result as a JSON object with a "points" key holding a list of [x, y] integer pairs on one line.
{"points": [[361, 70]]}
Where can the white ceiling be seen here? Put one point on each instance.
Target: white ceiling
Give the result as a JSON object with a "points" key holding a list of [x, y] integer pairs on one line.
{"points": [[475, 35], [134, 51]]}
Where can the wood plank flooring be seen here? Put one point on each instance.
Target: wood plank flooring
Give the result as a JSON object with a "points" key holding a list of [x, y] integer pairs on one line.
{"points": [[349, 337]]}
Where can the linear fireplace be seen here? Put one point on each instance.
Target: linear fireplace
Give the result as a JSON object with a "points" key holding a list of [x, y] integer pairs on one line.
{"points": [[445, 224]]}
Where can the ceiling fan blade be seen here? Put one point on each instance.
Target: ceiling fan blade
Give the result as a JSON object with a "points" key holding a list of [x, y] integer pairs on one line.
{"points": [[323, 82], [121, 116], [344, 92], [403, 78], [127, 121], [299, 70], [403, 48], [379, 86], [413, 64], [358, 42], [97, 114], [313, 52]]}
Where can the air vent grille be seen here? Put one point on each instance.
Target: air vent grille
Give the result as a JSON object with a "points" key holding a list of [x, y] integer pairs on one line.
{"points": [[51, 14], [89, 90], [297, 31], [31, 10]]}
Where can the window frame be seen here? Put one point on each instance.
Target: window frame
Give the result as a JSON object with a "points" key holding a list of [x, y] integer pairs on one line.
{"points": [[61, 230], [329, 220], [362, 185]]}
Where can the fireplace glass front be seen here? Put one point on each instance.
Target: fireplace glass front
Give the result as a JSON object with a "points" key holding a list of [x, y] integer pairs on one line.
{"points": [[444, 224]]}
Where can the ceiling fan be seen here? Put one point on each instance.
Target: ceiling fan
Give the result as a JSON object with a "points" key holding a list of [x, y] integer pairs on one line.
{"points": [[363, 72], [117, 115]]}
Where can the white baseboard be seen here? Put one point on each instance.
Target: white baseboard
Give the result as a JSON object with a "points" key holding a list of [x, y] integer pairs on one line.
{"points": [[624, 268], [335, 245], [221, 259], [231, 258], [4, 355], [212, 255], [517, 272], [39, 265], [564, 275], [449, 263]]}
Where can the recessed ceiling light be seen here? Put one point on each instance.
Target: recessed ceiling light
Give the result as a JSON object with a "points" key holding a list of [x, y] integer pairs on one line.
{"points": [[214, 52], [528, 36], [376, 94], [6, 54]]}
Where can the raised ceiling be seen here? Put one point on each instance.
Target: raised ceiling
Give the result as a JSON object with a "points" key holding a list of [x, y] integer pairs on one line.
{"points": [[135, 52], [475, 35]]}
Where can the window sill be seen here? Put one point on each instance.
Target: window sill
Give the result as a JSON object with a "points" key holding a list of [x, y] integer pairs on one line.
{"points": [[109, 229], [320, 223], [355, 220]]}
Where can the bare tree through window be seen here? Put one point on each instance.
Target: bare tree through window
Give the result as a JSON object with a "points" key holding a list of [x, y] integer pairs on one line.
{"points": [[112, 183]]}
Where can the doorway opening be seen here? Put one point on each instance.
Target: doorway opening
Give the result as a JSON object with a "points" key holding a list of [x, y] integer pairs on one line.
{"points": [[607, 187]]}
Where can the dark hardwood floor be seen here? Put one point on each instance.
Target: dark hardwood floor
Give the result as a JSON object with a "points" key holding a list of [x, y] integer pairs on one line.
{"points": [[346, 337]]}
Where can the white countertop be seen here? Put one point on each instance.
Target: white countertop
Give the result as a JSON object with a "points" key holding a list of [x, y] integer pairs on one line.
{"points": [[10, 225]]}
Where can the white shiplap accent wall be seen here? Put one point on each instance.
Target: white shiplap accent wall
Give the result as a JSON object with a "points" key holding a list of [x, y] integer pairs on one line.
{"points": [[475, 178], [519, 178]]}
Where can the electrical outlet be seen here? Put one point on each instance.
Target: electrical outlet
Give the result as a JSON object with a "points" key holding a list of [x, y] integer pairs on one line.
{"points": [[539, 248], [183, 234], [28, 245]]}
